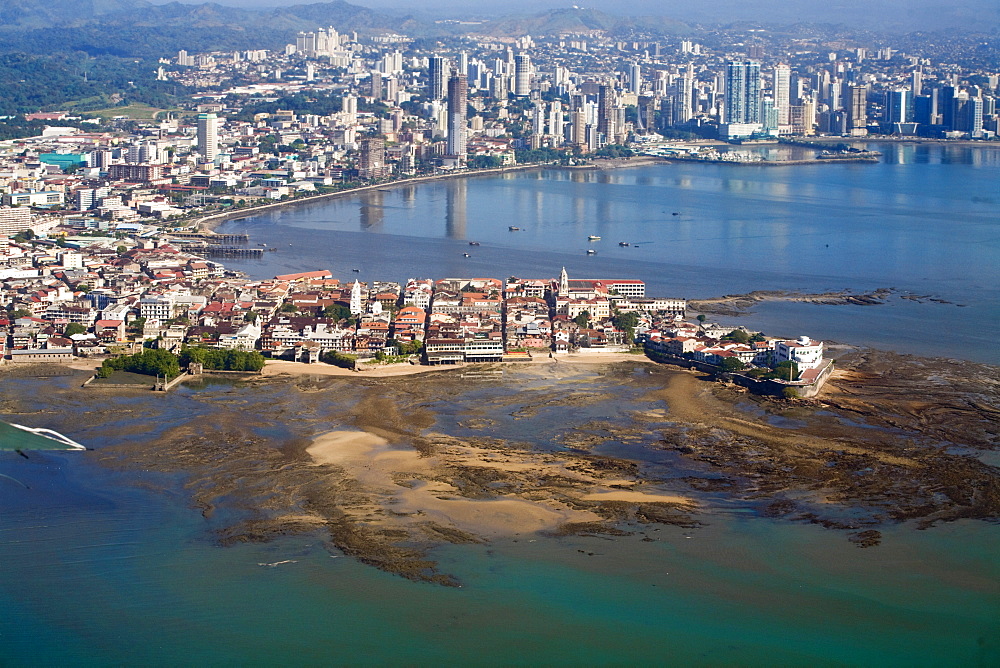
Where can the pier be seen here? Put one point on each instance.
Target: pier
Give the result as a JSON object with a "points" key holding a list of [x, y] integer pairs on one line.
{"points": [[222, 251], [211, 238]]}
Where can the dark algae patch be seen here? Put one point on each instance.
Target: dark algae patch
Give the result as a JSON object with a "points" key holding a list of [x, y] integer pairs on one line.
{"points": [[602, 450]]}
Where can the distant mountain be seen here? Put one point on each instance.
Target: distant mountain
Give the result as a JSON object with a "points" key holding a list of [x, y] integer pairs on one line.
{"points": [[46, 13], [577, 20]]}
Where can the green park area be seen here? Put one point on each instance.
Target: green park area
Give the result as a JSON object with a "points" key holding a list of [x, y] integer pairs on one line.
{"points": [[136, 112]]}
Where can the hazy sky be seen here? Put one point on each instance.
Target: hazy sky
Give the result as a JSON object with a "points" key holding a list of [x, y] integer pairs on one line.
{"points": [[909, 14]]}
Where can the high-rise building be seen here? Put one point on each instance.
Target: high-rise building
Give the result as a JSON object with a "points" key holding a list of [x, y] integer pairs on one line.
{"points": [[634, 78], [925, 108], [556, 121], [349, 109], [645, 113], [898, 107], [743, 99], [946, 106], [458, 92], [969, 114], [208, 137], [522, 75], [14, 220], [682, 104], [435, 77], [578, 119], [538, 119], [371, 164], [606, 116], [857, 112], [782, 86], [498, 87]]}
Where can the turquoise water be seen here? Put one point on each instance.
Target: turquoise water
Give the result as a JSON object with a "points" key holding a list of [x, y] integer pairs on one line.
{"points": [[98, 574], [108, 567], [924, 220]]}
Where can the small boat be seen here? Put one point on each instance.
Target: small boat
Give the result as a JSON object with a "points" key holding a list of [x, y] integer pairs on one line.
{"points": [[18, 437], [356, 271], [513, 229], [263, 245], [473, 243], [591, 252], [676, 213], [593, 237], [623, 243], [466, 255]]}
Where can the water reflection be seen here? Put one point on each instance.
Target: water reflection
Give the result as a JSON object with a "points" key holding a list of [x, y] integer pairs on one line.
{"points": [[456, 206], [371, 212]]}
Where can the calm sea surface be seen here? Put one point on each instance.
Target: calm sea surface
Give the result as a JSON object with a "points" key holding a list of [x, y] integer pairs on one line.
{"points": [[105, 567], [108, 567], [924, 221]]}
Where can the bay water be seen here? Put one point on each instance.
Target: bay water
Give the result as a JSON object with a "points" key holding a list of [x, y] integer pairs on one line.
{"points": [[924, 221], [106, 565], [102, 566]]}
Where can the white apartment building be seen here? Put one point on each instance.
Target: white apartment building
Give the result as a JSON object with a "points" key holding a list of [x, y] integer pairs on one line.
{"points": [[805, 353]]}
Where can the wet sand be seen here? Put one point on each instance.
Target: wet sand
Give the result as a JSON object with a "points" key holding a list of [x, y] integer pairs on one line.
{"points": [[891, 439]]}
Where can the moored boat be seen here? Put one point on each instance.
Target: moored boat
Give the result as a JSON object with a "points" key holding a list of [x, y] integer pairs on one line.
{"points": [[18, 437]]}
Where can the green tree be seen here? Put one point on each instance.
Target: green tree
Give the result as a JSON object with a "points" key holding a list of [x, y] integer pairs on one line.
{"points": [[737, 335], [288, 307], [337, 312], [216, 359], [731, 364], [786, 370], [627, 323], [582, 320], [20, 313], [702, 318], [149, 362], [74, 328], [342, 360]]}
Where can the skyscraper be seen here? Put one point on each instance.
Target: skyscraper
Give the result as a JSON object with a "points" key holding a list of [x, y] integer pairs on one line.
{"points": [[857, 112], [522, 75], [458, 90], [606, 116], [556, 121], [782, 85], [898, 107], [371, 164], [435, 77], [634, 78], [683, 104], [743, 101], [208, 138]]}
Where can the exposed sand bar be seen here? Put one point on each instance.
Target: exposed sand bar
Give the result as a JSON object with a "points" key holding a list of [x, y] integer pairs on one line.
{"points": [[410, 487], [628, 496]]}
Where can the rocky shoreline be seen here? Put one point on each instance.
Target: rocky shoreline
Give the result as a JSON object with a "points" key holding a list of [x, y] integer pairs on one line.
{"points": [[892, 439], [737, 305]]}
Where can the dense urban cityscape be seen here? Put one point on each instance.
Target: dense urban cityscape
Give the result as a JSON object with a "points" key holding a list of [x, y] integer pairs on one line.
{"points": [[97, 210], [456, 334]]}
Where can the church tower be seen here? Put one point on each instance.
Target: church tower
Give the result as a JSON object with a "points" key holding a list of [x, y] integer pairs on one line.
{"points": [[356, 298], [563, 283]]}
